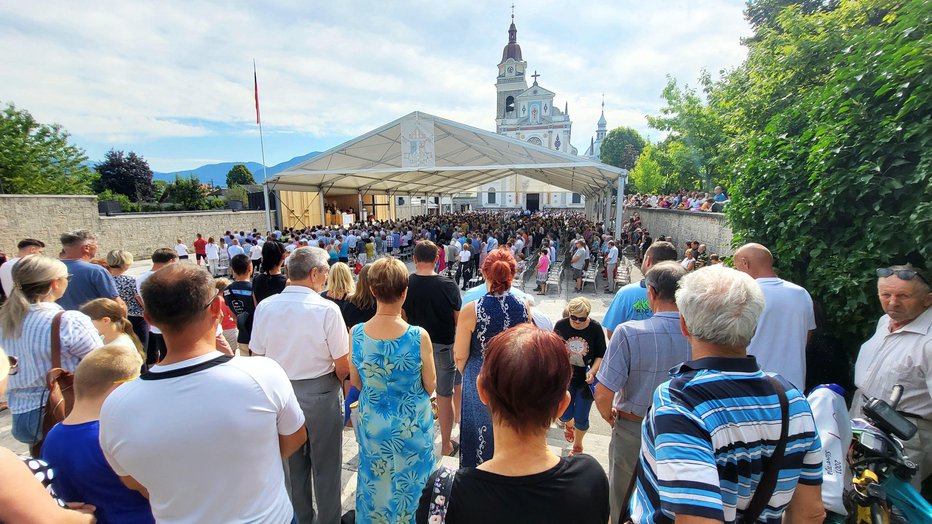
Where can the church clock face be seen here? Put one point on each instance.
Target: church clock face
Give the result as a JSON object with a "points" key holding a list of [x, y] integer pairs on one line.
{"points": [[511, 70]]}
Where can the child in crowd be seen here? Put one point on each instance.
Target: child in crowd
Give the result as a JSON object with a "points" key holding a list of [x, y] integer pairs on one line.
{"points": [[543, 266], [72, 448], [107, 316], [228, 320]]}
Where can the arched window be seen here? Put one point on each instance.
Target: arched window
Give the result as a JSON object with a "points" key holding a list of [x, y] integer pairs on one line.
{"points": [[510, 105], [535, 140], [577, 198], [491, 198]]}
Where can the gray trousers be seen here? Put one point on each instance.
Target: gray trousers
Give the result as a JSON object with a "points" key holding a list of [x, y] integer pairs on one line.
{"points": [[623, 454], [315, 468]]}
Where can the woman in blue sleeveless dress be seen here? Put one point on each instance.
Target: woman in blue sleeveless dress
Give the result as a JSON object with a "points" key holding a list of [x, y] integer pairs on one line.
{"points": [[392, 364], [478, 322]]}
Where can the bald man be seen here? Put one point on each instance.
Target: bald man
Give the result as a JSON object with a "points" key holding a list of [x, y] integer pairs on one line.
{"points": [[779, 344]]}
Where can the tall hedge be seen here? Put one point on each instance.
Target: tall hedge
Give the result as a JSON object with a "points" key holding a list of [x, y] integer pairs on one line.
{"points": [[831, 126]]}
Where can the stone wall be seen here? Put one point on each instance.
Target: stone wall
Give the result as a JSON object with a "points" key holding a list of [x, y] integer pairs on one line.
{"points": [[47, 216], [710, 229]]}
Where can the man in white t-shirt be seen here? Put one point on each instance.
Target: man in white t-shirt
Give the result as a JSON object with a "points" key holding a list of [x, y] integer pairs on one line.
{"points": [[235, 249], [26, 247], [464, 270], [783, 330], [155, 347], [611, 264], [255, 254], [314, 352], [202, 435]]}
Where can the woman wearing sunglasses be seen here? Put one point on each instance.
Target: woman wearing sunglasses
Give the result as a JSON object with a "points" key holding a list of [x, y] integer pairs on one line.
{"points": [[585, 344], [26, 321]]}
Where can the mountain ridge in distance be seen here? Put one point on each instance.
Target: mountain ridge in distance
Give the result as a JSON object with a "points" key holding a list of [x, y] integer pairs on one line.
{"points": [[216, 174]]}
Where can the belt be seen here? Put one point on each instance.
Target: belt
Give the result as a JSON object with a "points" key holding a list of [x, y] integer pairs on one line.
{"points": [[625, 415]]}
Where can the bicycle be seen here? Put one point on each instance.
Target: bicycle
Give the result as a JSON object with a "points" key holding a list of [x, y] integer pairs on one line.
{"points": [[881, 492]]}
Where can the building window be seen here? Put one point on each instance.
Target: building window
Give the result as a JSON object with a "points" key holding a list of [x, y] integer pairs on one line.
{"points": [[510, 105], [491, 198], [535, 140], [577, 198], [401, 201]]}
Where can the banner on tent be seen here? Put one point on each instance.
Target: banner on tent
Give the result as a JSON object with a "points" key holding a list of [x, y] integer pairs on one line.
{"points": [[417, 142]]}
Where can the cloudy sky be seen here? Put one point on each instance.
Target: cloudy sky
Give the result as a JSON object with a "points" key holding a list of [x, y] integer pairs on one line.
{"points": [[173, 80]]}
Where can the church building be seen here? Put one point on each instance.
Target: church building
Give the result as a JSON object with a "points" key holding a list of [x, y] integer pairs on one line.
{"points": [[528, 113]]}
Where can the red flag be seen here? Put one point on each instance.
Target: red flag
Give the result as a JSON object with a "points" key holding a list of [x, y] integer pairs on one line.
{"points": [[255, 78]]}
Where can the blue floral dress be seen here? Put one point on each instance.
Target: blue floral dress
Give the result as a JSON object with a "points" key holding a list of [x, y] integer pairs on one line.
{"points": [[494, 314], [396, 427]]}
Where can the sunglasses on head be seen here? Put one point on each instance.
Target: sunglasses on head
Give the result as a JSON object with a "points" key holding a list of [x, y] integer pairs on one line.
{"points": [[574, 318], [902, 274]]}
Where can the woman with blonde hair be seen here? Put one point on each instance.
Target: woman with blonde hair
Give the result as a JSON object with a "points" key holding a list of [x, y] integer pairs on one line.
{"points": [[119, 261], [107, 316], [585, 346], [339, 284], [27, 320], [392, 364], [360, 306]]}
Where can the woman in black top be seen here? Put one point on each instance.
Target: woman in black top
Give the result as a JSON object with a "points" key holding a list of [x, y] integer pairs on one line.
{"points": [[585, 343], [270, 280], [360, 306], [523, 381]]}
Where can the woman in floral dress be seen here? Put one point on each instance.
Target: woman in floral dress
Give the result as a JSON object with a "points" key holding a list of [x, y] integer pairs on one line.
{"points": [[478, 322], [392, 363]]}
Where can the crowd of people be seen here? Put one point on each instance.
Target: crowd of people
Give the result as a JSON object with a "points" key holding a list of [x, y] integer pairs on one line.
{"points": [[203, 398], [682, 200]]}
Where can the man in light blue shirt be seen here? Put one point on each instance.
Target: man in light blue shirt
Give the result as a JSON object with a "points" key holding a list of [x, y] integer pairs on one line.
{"points": [[630, 303]]}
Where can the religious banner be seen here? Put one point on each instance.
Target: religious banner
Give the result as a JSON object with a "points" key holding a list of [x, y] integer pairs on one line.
{"points": [[417, 142]]}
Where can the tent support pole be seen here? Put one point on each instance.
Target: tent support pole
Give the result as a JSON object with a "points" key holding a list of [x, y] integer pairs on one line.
{"points": [[606, 218], [620, 203], [323, 212]]}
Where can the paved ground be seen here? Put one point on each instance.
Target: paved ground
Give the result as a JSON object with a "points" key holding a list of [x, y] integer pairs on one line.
{"points": [[596, 442]]}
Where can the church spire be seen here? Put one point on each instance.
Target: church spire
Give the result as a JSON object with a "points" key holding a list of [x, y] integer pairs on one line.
{"points": [[512, 49], [602, 122]]}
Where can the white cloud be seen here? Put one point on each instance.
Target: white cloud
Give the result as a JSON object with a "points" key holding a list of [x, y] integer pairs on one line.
{"points": [[136, 71]]}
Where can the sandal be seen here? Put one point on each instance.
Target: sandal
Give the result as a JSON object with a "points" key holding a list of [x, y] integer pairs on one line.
{"points": [[569, 433]]}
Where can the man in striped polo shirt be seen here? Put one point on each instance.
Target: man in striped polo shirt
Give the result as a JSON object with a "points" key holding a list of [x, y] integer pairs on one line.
{"points": [[714, 426]]}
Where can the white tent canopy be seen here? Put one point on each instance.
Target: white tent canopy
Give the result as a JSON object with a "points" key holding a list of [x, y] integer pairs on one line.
{"points": [[421, 154]]}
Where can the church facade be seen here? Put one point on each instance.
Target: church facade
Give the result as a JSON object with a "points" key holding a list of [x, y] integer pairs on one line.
{"points": [[528, 113]]}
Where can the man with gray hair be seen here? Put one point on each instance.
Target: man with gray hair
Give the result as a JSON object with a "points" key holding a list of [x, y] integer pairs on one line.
{"points": [[710, 438], [638, 359], [313, 351], [86, 281], [899, 353]]}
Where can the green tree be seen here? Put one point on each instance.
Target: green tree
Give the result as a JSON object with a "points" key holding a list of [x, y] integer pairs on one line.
{"points": [[238, 193], [831, 145], [36, 158], [646, 175], [690, 119], [124, 174], [614, 144], [239, 175], [188, 192]]}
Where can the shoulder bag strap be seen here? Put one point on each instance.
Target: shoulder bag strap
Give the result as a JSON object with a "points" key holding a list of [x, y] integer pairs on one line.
{"points": [[768, 481], [56, 340], [181, 372], [441, 483]]}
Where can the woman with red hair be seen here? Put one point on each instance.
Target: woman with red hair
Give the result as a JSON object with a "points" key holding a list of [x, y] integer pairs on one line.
{"points": [[523, 382], [478, 322]]}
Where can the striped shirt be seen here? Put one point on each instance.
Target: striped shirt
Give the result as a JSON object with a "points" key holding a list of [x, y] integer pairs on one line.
{"points": [[707, 441], [33, 349]]}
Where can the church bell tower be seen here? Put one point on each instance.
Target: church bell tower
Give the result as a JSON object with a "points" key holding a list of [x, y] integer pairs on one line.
{"points": [[511, 81]]}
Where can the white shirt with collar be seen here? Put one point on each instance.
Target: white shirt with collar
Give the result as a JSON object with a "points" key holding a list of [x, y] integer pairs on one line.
{"points": [[300, 330], [902, 357]]}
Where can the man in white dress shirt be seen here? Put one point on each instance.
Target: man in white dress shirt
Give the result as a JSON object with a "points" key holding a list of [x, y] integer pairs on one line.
{"points": [[900, 352], [313, 349]]}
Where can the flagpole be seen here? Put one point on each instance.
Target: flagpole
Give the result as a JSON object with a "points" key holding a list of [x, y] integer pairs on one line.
{"points": [[265, 170]]}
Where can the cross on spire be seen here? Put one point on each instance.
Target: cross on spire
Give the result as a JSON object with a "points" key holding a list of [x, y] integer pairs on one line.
{"points": [[534, 76], [603, 102], [512, 12]]}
